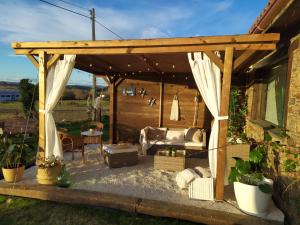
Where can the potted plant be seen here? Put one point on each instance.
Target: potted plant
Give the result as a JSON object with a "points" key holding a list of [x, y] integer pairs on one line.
{"points": [[48, 170], [13, 159], [252, 189]]}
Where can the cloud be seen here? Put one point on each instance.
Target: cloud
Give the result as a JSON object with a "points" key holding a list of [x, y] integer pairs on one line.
{"points": [[22, 21], [222, 5]]}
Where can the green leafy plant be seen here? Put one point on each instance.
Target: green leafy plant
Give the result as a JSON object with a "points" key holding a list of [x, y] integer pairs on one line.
{"points": [[237, 114], [63, 180], [290, 165], [251, 171], [29, 96], [12, 154]]}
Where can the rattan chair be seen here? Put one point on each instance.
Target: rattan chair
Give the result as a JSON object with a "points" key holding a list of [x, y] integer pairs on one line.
{"points": [[72, 143]]}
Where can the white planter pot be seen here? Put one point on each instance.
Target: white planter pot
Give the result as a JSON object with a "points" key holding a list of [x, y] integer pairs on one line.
{"points": [[251, 199]]}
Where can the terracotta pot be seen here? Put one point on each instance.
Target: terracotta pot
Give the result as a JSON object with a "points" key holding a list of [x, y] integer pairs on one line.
{"points": [[13, 175], [48, 176]]}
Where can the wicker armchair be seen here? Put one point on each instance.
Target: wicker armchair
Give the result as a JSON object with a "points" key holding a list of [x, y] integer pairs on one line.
{"points": [[72, 143]]}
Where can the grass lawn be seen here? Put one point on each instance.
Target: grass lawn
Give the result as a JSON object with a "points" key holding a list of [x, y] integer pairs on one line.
{"points": [[74, 128], [25, 211]]}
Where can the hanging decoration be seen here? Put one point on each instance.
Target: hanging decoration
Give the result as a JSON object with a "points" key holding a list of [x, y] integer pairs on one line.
{"points": [[152, 101], [143, 92], [175, 109]]}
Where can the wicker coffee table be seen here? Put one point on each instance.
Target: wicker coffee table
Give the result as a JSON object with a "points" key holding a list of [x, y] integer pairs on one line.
{"points": [[119, 155]]}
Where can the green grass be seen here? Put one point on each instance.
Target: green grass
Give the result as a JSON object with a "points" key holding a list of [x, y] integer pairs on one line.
{"points": [[22, 211]]}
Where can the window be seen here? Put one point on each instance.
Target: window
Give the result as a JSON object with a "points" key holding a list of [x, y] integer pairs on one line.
{"points": [[275, 95]]}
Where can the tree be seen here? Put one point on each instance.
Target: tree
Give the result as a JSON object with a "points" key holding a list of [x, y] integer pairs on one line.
{"points": [[29, 96]]}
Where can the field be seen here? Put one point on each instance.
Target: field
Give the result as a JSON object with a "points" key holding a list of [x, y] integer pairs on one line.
{"points": [[68, 110]]}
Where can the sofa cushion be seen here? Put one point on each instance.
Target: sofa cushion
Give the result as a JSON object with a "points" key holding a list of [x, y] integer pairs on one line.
{"points": [[175, 135], [185, 177], [203, 172], [193, 134], [156, 133], [166, 142], [193, 144]]}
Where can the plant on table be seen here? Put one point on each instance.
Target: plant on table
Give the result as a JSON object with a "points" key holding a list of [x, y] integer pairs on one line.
{"points": [[171, 151], [12, 158]]}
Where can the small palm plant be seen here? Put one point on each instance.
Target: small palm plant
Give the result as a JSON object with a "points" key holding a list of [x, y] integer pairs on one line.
{"points": [[12, 159], [13, 155]]}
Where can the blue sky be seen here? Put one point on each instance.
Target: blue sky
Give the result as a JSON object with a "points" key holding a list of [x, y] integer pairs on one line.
{"points": [[32, 20]]}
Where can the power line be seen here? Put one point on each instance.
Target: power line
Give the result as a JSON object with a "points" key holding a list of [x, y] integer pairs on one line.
{"points": [[105, 27], [60, 7], [75, 5], [80, 14]]}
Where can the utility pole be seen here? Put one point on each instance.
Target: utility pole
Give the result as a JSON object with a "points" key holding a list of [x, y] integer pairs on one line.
{"points": [[92, 12]]}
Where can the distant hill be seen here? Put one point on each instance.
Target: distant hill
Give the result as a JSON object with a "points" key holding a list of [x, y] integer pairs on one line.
{"points": [[71, 91], [8, 85], [14, 85]]}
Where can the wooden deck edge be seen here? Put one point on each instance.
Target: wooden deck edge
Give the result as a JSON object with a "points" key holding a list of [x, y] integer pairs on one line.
{"points": [[131, 204]]}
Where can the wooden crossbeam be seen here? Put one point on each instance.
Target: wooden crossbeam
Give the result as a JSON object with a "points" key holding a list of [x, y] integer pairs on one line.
{"points": [[149, 50], [246, 38], [53, 60], [242, 58], [119, 81], [33, 60], [213, 57]]}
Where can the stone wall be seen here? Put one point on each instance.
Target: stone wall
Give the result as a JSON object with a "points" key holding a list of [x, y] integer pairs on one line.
{"points": [[293, 110]]}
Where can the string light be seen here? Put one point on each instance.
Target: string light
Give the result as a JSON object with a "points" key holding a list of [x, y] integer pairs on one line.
{"points": [[91, 65], [129, 65], [157, 64]]}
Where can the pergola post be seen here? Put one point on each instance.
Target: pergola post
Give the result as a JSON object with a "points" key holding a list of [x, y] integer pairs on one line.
{"points": [[112, 94], [42, 100], [161, 102], [225, 93]]}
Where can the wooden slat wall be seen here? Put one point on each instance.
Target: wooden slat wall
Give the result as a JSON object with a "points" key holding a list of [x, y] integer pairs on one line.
{"points": [[134, 113]]}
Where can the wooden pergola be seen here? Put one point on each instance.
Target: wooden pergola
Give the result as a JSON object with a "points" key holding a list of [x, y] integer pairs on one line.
{"points": [[149, 59]]}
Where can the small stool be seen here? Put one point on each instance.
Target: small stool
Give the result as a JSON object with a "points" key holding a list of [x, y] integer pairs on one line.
{"points": [[116, 156]]}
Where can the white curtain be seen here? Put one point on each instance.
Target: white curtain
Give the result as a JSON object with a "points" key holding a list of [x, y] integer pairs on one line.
{"points": [[57, 79], [208, 79]]}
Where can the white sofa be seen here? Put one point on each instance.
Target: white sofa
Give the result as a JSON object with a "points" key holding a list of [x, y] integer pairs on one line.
{"points": [[172, 136]]}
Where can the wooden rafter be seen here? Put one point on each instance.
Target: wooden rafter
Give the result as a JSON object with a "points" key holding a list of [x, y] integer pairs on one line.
{"points": [[53, 60], [243, 58], [213, 57], [33, 60], [119, 81]]}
